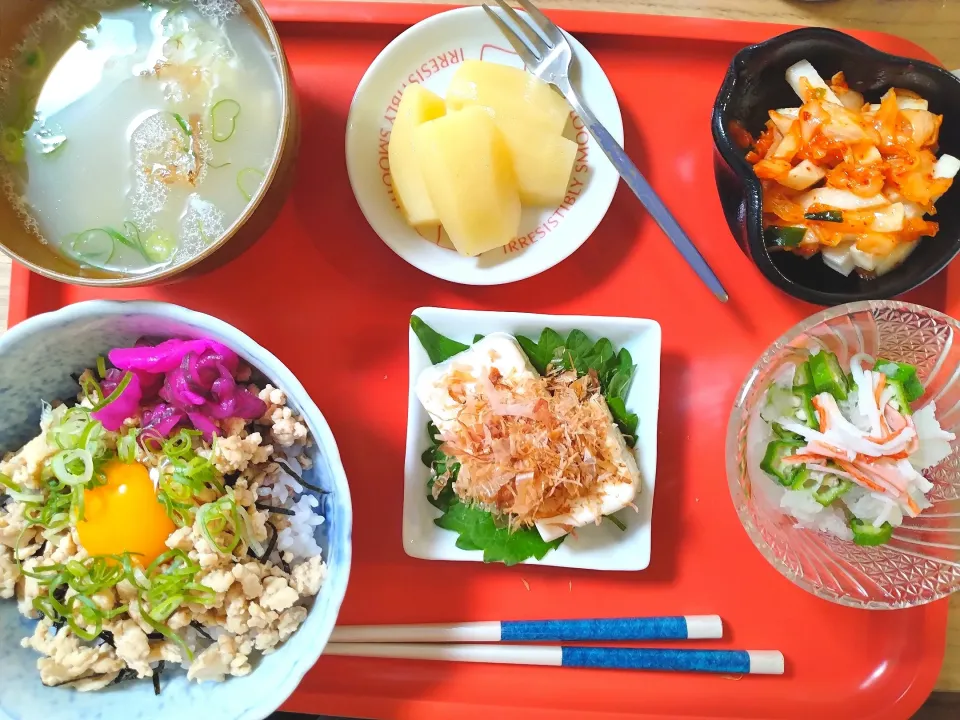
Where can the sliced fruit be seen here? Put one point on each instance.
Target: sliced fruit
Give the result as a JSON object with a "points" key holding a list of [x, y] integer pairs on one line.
{"points": [[509, 93], [470, 178], [417, 106], [542, 161]]}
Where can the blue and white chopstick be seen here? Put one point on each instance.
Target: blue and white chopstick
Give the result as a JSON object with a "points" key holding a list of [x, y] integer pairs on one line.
{"points": [[732, 662], [684, 627]]}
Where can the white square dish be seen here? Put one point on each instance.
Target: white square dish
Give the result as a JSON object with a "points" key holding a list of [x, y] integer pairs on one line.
{"points": [[595, 547]]}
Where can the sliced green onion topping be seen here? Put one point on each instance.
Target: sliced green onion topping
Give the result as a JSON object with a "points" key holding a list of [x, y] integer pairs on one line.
{"points": [[127, 447], [186, 476], [16, 492], [12, 147], [89, 614], [91, 388], [67, 433], [95, 247], [203, 234], [184, 125], [169, 634], [101, 366], [159, 246], [117, 391], [180, 444], [73, 467], [250, 178], [224, 116], [66, 475], [222, 518], [33, 61]]}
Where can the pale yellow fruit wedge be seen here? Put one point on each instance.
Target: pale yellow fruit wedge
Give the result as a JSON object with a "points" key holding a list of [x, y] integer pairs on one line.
{"points": [[417, 106], [469, 174], [542, 161], [509, 93]]}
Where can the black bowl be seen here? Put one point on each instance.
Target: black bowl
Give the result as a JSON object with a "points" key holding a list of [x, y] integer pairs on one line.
{"points": [[755, 84]]}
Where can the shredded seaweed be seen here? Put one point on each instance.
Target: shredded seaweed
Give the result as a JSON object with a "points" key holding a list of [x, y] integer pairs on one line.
{"points": [[274, 509], [299, 478], [92, 676], [271, 546], [155, 636], [201, 630], [158, 671], [106, 638], [59, 594], [125, 674], [230, 479]]}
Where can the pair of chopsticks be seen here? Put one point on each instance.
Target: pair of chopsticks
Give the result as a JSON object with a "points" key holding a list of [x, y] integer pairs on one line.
{"points": [[480, 642]]}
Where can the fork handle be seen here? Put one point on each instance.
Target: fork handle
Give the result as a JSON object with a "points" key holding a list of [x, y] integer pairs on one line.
{"points": [[641, 188]]}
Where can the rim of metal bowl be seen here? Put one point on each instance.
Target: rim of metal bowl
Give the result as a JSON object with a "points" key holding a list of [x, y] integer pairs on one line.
{"points": [[167, 273], [731, 444]]}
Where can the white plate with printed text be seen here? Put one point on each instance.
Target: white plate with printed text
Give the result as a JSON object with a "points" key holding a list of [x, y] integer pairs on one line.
{"points": [[430, 53], [594, 547]]}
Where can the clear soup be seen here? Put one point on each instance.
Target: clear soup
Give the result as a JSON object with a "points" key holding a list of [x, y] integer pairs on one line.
{"points": [[133, 134]]}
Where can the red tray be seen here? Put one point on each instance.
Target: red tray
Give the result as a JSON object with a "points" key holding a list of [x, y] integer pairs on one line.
{"points": [[332, 301]]}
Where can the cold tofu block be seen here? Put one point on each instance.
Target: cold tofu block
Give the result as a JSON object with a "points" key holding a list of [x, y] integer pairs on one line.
{"points": [[509, 93], [497, 350], [417, 106], [501, 351], [614, 495], [470, 178], [542, 160]]}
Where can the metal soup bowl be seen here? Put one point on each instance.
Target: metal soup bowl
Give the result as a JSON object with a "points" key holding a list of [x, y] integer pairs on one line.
{"points": [[25, 247]]}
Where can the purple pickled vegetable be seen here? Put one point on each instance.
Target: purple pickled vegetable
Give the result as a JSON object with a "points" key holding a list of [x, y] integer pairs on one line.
{"points": [[169, 355], [126, 405], [150, 384], [249, 406], [161, 418], [204, 424], [179, 392], [206, 368], [181, 381]]}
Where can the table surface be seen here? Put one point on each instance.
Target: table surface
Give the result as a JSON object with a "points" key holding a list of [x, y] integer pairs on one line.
{"points": [[932, 24]]}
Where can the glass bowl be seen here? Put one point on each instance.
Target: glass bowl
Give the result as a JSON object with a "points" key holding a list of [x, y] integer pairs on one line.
{"points": [[921, 563]]}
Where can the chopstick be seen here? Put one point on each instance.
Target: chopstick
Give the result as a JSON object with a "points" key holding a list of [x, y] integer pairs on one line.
{"points": [[732, 662], [688, 627]]}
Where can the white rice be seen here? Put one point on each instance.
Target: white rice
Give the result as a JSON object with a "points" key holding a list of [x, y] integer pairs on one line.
{"points": [[283, 490]]}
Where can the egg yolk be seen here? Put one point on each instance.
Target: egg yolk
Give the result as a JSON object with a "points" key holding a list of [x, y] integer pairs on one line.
{"points": [[123, 515]]}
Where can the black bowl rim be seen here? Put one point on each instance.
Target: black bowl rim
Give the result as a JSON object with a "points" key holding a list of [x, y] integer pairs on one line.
{"points": [[753, 191]]}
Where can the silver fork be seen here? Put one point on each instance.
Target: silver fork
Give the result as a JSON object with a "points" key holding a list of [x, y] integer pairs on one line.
{"points": [[548, 55]]}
